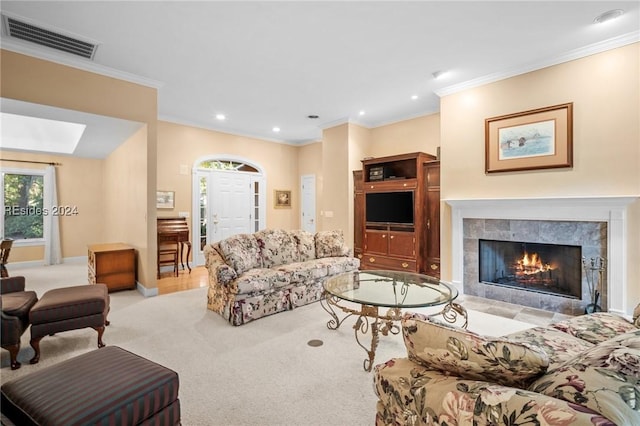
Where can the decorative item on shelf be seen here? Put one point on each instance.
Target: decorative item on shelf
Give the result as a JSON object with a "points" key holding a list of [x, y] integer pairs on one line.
{"points": [[165, 199], [537, 139], [376, 173], [282, 199], [594, 271]]}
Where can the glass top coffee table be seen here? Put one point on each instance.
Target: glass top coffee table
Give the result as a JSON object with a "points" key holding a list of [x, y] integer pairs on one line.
{"points": [[395, 290]]}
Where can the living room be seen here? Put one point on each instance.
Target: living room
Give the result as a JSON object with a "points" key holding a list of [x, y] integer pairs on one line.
{"points": [[458, 130], [116, 196]]}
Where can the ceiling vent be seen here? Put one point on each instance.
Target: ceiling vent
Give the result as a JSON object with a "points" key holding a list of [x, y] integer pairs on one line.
{"points": [[23, 30]]}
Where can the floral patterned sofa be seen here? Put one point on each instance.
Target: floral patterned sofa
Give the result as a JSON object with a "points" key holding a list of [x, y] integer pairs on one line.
{"points": [[582, 371], [273, 270]]}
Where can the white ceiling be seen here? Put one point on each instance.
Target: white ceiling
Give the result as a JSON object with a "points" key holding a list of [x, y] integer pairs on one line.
{"points": [[266, 64]]}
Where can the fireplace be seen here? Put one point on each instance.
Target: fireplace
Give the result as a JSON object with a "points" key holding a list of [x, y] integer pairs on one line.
{"points": [[598, 224], [544, 268]]}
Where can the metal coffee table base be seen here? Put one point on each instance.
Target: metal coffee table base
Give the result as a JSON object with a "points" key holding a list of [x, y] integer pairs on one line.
{"points": [[369, 318]]}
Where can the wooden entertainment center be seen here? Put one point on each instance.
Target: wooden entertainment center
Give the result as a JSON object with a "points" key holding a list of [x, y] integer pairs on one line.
{"points": [[397, 213]]}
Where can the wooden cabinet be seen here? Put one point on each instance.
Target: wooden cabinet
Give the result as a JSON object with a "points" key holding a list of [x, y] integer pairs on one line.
{"points": [[113, 264], [358, 213], [432, 249], [387, 249], [396, 236]]}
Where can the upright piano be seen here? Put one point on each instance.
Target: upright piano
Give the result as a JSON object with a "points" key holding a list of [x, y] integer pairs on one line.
{"points": [[175, 230]]}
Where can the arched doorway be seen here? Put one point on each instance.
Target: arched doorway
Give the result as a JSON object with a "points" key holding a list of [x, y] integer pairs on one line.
{"points": [[229, 197]]}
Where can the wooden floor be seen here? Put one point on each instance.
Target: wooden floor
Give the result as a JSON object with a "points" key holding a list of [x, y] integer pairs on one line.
{"points": [[169, 283]]}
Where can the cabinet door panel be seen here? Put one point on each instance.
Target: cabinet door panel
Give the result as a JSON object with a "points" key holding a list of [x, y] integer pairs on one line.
{"points": [[376, 242], [433, 224], [358, 212], [402, 244]]}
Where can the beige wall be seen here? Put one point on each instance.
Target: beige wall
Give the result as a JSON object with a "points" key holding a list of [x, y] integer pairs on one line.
{"points": [[421, 134], [38, 81], [359, 144], [180, 145], [605, 92], [344, 146], [335, 197], [125, 172]]}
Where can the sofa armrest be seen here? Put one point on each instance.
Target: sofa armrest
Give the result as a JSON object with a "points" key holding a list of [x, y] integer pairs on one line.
{"points": [[11, 329], [225, 274], [413, 394], [211, 257], [12, 284]]}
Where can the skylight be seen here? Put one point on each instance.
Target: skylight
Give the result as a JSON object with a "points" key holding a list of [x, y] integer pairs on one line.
{"points": [[38, 134]]}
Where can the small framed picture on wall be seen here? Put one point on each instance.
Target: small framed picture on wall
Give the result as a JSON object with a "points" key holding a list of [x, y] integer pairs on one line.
{"points": [[282, 199], [165, 199]]}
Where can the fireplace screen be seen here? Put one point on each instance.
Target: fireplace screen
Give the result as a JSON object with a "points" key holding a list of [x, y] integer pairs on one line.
{"points": [[546, 268]]}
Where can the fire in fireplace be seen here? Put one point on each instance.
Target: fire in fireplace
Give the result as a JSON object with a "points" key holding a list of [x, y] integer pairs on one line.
{"points": [[545, 268]]}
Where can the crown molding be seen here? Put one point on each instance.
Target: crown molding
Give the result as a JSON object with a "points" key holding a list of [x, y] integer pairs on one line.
{"points": [[231, 132], [582, 52], [398, 119], [82, 64]]}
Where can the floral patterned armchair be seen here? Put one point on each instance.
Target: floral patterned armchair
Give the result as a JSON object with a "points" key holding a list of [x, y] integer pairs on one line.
{"points": [[583, 371]]}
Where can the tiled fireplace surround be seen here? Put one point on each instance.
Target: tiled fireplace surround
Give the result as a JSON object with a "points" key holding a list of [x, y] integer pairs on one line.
{"points": [[597, 224]]}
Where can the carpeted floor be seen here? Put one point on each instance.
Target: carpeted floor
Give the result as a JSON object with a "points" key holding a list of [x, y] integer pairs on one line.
{"points": [[261, 373]]}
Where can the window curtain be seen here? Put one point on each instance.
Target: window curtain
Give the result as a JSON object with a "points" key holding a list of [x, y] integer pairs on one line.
{"points": [[52, 252]]}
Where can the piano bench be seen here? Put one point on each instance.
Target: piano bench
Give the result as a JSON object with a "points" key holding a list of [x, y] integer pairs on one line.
{"points": [[168, 256]]}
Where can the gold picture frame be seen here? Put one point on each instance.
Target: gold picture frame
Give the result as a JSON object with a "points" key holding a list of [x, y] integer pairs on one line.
{"points": [[536, 139], [165, 199], [282, 199]]}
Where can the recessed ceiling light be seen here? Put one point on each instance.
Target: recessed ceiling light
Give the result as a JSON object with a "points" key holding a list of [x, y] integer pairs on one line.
{"points": [[361, 113], [414, 97], [221, 117], [609, 15], [276, 129]]}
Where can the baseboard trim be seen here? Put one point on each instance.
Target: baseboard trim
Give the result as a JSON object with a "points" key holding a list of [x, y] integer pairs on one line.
{"points": [[146, 292], [40, 262]]}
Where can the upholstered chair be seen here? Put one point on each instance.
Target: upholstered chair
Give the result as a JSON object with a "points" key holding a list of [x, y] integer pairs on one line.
{"points": [[15, 303]]}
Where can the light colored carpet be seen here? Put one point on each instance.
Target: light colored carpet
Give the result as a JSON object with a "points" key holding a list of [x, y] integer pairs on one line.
{"points": [[259, 373]]}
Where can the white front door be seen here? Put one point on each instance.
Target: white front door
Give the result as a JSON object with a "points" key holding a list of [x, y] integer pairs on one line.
{"points": [[308, 207], [226, 206], [231, 211]]}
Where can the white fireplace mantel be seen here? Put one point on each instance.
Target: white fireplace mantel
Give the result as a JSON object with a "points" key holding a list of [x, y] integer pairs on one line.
{"points": [[612, 210]]}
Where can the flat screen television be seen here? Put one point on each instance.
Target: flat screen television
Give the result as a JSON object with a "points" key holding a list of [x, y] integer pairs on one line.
{"points": [[389, 207]]}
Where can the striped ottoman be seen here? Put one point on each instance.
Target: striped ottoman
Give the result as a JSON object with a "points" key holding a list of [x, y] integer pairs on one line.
{"points": [[69, 308], [107, 386]]}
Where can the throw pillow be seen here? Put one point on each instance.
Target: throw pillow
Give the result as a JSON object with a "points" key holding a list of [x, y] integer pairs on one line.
{"points": [[453, 350], [241, 252], [595, 328], [305, 243], [277, 247], [330, 244], [604, 379]]}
